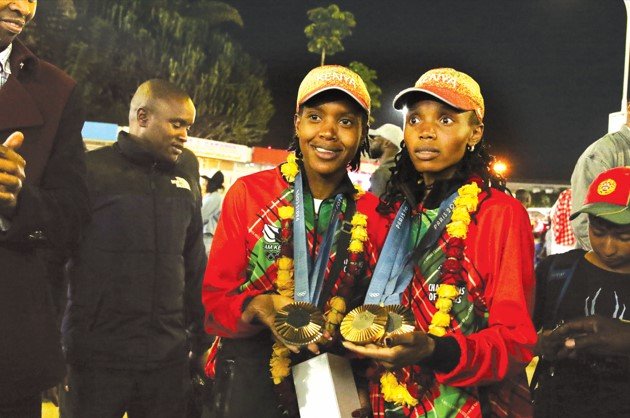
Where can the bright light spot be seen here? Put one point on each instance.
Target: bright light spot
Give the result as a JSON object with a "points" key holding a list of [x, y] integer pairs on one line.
{"points": [[500, 167]]}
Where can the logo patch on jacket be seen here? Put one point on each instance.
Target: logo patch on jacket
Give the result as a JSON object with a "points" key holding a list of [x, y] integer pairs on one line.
{"points": [[181, 183], [271, 246]]}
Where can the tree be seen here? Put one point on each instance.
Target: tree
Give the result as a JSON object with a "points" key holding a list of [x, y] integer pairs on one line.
{"points": [[330, 25], [369, 77], [112, 46]]}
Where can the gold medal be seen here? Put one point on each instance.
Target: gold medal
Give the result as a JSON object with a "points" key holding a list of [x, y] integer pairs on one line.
{"points": [[365, 324], [400, 320], [299, 324]]}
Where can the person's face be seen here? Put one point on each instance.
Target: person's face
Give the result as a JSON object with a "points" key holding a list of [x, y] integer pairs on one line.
{"points": [[610, 243], [203, 183], [14, 15], [329, 135], [166, 127], [436, 136]]}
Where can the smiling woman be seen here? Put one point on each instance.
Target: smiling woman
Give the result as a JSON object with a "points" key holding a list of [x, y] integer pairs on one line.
{"points": [[281, 251], [330, 128]]}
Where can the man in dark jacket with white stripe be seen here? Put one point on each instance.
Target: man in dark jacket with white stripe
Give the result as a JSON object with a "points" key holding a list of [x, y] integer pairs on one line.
{"points": [[134, 315]]}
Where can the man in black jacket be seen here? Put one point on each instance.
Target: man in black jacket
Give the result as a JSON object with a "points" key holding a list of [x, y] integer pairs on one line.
{"points": [[134, 315], [43, 204]]}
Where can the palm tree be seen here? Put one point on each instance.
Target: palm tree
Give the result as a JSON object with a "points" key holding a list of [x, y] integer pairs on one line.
{"points": [[330, 25]]}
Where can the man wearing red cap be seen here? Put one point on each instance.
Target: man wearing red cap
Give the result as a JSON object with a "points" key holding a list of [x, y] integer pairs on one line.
{"points": [[582, 307], [611, 150]]}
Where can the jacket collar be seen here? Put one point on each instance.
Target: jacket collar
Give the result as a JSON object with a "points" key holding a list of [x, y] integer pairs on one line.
{"points": [[23, 64], [22, 59], [133, 151]]}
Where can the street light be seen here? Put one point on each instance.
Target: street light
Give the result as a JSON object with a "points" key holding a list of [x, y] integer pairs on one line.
{"points": [[500, 168], [617, 119]]}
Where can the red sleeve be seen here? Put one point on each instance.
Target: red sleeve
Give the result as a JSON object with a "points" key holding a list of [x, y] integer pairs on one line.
{"points": [[227, 268], [501, 248]]}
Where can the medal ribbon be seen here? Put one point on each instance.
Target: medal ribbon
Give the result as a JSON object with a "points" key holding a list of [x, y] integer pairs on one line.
{"points": [[394, 269], [308, 280]]}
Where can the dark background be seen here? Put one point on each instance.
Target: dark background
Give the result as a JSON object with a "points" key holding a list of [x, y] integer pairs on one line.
{"points": [[550, 70]]}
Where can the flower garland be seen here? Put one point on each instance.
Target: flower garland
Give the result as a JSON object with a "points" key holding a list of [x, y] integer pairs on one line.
{"points": [[465, 203], [280, 362]]}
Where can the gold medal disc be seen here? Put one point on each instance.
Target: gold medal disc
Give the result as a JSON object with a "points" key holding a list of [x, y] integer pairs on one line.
{"points": [[400, 320], [299, 324], [365, 324]]}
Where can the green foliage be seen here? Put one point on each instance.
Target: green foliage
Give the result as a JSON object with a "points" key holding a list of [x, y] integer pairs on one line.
{"points": [[330, 25], [369, 76], [112, 46]]}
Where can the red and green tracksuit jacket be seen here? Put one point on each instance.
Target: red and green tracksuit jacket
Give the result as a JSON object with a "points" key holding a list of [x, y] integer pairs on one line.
{"points": [[242, 265], [491, 334]]}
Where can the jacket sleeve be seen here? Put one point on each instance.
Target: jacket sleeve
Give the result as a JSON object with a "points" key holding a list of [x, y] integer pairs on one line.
{"points": [[227, 269], [195, 262], [591, 163], [53, 212], [504, 252]]}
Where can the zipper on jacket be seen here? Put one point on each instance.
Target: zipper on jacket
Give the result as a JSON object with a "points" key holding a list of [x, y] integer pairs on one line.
{"points": [[315, 233], [152, 185]]}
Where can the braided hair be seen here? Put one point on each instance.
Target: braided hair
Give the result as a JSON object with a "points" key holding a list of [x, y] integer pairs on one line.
{"points": [[333, 96]]}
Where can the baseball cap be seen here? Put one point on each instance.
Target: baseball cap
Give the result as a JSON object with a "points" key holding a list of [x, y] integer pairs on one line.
{"points": [[608, 196], [449, 86], [333, 77], [390, 132]]}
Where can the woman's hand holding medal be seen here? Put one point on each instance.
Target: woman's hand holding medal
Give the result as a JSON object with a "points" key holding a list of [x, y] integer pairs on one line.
{"points": [[266, 308], [400, 349]]}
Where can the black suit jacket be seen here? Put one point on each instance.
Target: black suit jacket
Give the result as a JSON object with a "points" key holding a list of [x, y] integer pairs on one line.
{"points": [[39, 100]]}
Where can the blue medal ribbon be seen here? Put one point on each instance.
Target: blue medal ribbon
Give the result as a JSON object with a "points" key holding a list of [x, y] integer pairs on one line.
{"points": [[394, 269], [309, 281]]}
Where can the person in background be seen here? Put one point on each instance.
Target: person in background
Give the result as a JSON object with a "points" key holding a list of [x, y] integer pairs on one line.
{"points": [[560, 237], [472, 284], [611, 150], [582, 301], [524, 196], [133, 327], [538, 221], [384, 145], [43, 207], [203, 182], [211, 207]]}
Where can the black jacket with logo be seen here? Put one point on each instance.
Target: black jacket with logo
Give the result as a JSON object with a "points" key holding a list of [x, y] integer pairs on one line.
{"points": [[135, 281]]}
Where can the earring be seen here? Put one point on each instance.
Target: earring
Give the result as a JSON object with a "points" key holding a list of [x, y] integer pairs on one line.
{"points": [[470, 148]]}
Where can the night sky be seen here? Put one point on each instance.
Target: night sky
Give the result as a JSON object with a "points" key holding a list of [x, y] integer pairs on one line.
{"points": [[550, 70]]}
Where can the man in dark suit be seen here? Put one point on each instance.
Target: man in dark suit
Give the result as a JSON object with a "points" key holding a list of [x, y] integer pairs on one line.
{"points": [[43, 203]]}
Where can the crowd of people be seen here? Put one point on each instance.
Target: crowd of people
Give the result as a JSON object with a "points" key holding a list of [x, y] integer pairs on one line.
{"points": [[176, 304]]}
